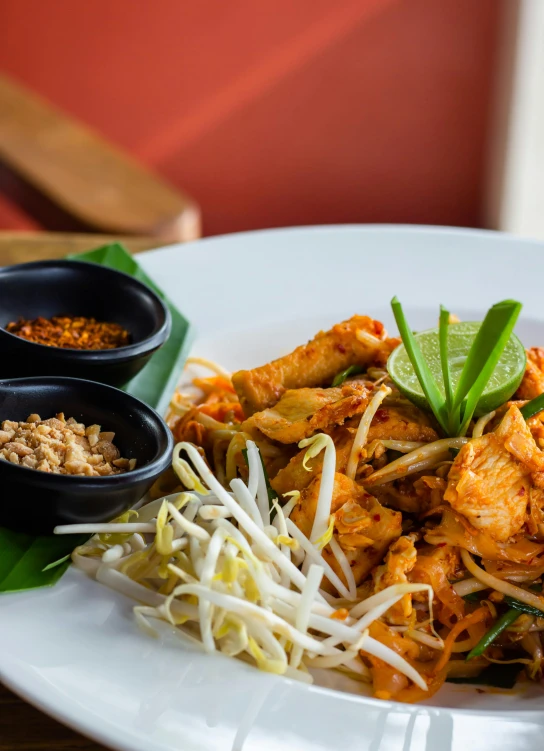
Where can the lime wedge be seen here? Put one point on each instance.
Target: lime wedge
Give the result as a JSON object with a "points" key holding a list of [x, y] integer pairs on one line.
{"points": [[501, 386]]}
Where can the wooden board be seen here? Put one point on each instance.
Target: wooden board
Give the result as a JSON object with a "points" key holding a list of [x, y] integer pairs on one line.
{"points": [[85, 176], [23, 247]]}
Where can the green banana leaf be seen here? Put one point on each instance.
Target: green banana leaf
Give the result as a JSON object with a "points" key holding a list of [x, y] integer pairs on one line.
{"points": [[29, 561]]}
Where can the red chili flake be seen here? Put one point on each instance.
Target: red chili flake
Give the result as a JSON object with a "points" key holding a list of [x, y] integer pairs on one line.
{"points": [[441, 544], [341, 348], [521, 491], [71, 332], [381, 415], [377, 517]]}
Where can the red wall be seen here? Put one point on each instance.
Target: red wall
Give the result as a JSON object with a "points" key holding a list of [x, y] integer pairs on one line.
{"points": [[277, 112]]}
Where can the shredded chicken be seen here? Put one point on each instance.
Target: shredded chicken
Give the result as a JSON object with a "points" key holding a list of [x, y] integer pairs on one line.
{"points": [[362, 526], [296, 477], [400, 423], [493, 477], [302, 412]]}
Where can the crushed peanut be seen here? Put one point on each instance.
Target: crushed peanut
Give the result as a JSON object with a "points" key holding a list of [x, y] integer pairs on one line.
{"points": [[63, 447]]}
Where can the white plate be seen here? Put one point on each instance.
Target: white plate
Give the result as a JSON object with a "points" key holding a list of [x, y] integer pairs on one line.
{"points": [[75, 652]]}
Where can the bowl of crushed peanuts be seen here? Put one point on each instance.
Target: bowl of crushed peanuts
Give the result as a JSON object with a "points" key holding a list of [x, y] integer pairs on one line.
{"points": [[77, 319], [75, 451]]}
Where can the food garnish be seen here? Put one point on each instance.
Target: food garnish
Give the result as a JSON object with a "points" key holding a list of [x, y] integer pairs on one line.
{"points": [[500, 625], [459, 369], [509, 617], [62, 446], [533, 407], [523, 607], [345, 374], [71, 332]]}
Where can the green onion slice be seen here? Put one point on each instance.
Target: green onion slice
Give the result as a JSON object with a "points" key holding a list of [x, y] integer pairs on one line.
{"points": [[522, 607], [483, 357], [498, 627], [341, 377], [533, 407], [422, 370]]}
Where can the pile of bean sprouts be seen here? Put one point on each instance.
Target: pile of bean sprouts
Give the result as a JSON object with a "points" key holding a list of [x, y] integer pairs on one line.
{"points": [[235, 574]]}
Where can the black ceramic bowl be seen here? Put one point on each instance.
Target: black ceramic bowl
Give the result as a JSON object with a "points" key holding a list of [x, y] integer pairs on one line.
{"points": [[51, 288], [31, 500]]}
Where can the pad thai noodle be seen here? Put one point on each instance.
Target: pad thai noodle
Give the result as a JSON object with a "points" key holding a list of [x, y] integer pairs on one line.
{"points": [[316, 517]]}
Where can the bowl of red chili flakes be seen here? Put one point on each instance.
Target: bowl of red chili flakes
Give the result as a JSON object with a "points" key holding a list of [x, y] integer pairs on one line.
{"points": [[77, 319]]}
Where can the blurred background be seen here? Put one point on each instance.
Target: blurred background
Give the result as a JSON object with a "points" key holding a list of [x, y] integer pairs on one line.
{"points": [[263, 114]]}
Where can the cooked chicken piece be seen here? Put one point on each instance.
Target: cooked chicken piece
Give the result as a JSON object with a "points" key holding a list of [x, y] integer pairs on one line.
{"points": [[359, 341], [344, 490], [457, 531], [296, 477], [449, 559], [363, 528], [490, 481], [430, 490], [536, 426], [399, 561], [413, 495], [399, 423], [302, 412], [533, 381], [437, 566]]}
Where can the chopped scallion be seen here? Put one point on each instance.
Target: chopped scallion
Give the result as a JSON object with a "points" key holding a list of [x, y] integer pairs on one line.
{"points": [[498, 627], [484, 354], [344, 374], [454, 408], [522, 607], [473, 597], [444, 359], [425, 377], [533, 407]]}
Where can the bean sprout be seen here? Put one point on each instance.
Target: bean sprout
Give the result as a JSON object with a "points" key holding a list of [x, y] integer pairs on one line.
{"points": [[361, 436], [529, 598], [481, 424], [422, 458], [210, 563]]}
